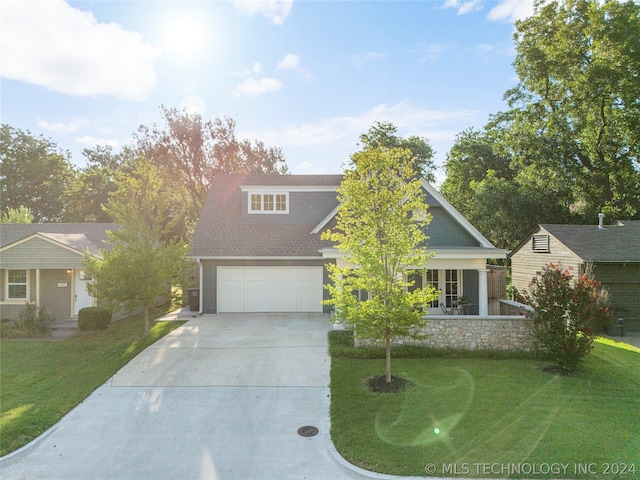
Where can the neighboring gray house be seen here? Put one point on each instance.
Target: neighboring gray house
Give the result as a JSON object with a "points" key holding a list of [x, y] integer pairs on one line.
{"points": [[612, 252], [258, 246], [41, 263]]}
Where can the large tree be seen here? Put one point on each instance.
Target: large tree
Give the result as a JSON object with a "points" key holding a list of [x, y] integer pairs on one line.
{"points": [[380, 228], [191, 151], [568, 147], [502, 200], [34, 174], [143, 259], [578, 62], [385, 134], [89, 191]]}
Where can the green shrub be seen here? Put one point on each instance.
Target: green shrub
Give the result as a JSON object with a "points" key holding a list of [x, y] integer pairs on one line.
{"points": [[31, 322], [567, 314], [94, 318]]}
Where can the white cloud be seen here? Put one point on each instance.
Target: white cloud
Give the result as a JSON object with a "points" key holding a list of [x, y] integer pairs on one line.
{"points": [[361, 58], [253, 87], [511, 10], [275, 10], [289, 62], [471, 6], [62, 127], [409, 120], [50, 44], [464, 7], [433, 52], [92, 141], [292, 62]]}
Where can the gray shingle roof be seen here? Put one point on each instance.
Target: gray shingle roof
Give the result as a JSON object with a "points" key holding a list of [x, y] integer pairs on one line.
{"points": [[222, 233], [614, 243], [74, 235]]}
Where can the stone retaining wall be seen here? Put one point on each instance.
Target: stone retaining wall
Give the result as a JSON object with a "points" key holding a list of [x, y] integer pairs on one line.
{"points": [[472, 332]]}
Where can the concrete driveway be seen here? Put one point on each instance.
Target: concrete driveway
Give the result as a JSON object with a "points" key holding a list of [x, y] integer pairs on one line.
{"points": [[221, 397]]}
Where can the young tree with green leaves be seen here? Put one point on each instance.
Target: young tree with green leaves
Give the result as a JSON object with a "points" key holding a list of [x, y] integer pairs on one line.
{"points": [[17, 215], [143, 259], [380, 229]]}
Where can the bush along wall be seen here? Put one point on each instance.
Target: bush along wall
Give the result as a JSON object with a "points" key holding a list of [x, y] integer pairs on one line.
{"points": [[94, 318]]}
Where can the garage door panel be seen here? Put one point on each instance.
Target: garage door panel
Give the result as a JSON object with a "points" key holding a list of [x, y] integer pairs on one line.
{"points": [[258, 295], [270, 289], [308, 294], [231, 290]]}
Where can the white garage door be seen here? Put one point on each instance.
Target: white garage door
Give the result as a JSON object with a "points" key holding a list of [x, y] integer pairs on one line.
{"points": [[269, 289]]}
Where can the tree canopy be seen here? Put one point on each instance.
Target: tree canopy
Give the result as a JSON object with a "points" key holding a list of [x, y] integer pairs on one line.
{"points": [[384, 135], [192, 151], [34, 174], [380, 229], [568, 146], [143, 258]]}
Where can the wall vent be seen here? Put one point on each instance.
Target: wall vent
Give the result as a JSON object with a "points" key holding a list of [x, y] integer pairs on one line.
{"points": [[540, 243]]}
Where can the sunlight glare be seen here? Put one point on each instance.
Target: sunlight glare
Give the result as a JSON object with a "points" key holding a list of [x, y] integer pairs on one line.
{"points": [[186, 36]]}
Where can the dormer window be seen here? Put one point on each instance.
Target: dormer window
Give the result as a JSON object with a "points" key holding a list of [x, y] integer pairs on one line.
{"points": [[269, 203]]}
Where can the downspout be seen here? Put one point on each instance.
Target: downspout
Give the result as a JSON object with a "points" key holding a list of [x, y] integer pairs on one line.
{"points": [[200, 277]]}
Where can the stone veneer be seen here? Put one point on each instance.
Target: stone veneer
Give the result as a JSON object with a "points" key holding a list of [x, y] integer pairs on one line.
{"points": [[472, 332]]}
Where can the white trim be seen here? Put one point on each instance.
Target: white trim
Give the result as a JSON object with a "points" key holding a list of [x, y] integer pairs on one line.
{"points": [[287, 188], [484, 242], [325, 220], [457, 215], [9, 299], [42, 236], [262, 211], [256, 258], [470, 253]]}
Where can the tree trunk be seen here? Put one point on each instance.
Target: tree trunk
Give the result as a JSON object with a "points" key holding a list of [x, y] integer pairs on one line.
{"points": [[387, 342], [146, 321]]}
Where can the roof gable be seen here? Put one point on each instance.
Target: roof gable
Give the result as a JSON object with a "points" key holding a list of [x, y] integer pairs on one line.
{"points": [[611, 244], [74, 235], [225, 230]]}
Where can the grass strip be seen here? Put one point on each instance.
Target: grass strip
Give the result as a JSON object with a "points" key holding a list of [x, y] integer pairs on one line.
{"points": [[476, 417], [41, 380]]}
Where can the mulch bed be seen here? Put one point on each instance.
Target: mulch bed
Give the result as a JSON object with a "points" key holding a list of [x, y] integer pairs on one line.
{"points": [[379, 384]]}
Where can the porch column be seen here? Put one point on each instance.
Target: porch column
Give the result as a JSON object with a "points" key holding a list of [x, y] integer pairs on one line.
{"points": [[38, 287], [483, 300]]}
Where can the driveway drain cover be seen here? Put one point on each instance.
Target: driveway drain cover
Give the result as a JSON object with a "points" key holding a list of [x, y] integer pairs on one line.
{"points": [[307, 431]]}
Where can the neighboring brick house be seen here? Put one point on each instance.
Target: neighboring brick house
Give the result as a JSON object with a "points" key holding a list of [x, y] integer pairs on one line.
{"points": [[41, 263], [259, 249], [611, 252]]}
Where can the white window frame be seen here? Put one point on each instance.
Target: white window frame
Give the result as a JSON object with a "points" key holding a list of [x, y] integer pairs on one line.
{"points": [[269, 202], [447, 298], [9, 284]]}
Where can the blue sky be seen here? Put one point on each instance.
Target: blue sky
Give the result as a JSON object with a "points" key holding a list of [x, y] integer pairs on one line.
{"points": [[307, 76]]}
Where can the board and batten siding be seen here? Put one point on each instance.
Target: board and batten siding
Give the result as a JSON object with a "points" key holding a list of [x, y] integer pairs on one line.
{"points": [[526, 262], [42, 254]]}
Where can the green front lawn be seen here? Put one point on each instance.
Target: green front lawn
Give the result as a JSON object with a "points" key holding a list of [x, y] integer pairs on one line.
{"points": [[42, 380], [480, 417]]}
